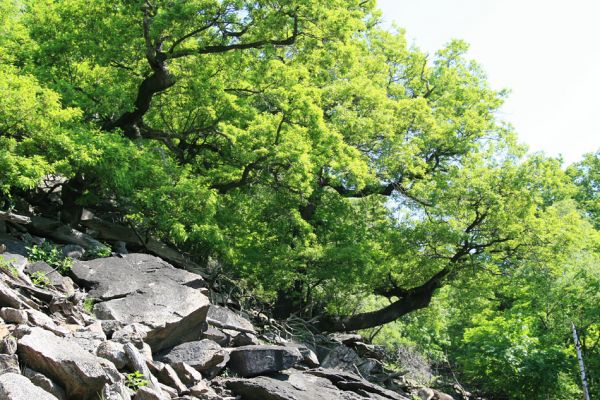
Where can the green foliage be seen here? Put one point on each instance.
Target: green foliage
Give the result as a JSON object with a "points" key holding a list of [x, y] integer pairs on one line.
{"points": [[39, 278], [88, 305], [51, 255], [7, 265], [332, 167], [98, 252], [135, 380]]}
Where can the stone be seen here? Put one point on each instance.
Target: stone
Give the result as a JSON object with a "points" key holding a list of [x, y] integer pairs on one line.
{"points": [[188, 375], [89, 338], [80, 373], [9, 298], [257, 360], [204, 355], [115, 277], [56, 280], [116, 391], [346, 338], [202, 390], [183, 330], [238, 339], [216, 335], [43, 382], [8, 345], [130, 333], [9, 363], [13, 316], [309, 358], [298, 385], [113, 352], [146, 393], [341, 357], [140, 288], [18, 261], [224, 318], [17, 387], [167, 375], [73, 251], [351, 382], [38, 318]]}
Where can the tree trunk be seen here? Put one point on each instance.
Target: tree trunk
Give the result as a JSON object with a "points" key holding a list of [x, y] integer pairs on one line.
{"points": [[411, 300]]}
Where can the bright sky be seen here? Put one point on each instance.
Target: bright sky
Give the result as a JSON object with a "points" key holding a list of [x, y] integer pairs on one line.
{"points": [[547, 52]]}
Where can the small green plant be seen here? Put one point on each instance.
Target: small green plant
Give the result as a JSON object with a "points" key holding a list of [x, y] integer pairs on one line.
{"points": [[135, 380], [98, 252], [88, 305], [39, 278], [51, 255], [7, 265]]}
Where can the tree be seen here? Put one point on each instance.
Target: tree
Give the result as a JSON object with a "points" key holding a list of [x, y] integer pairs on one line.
{"points": [[317, 156]]}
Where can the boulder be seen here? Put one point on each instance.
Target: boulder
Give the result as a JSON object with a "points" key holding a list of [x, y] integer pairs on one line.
{"points": [[188, 375], [8, 345], [146, 393], [81, 374], [116, 277], [298, 385], [113, 352], [203, 355], [16, 387], [216, 335], [140, 288], [116, 391], [257, 360], [43, 382], [13, 316], [56, 280], [9, 363], [38, 318], [224, 318]]}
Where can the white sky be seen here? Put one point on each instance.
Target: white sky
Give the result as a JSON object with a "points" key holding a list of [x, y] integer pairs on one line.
{"points": [[547, 52]]}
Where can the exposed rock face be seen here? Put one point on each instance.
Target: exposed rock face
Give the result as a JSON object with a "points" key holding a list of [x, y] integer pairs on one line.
{"points": [[224, 318], [304, 386], [139, 288], [62, 283], [256, 360], [81, 374], [204, 355], [17, 387], [152, 311], [9, 363]]}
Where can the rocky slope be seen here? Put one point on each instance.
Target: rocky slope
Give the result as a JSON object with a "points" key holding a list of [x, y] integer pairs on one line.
{"points": [[131, 326]]}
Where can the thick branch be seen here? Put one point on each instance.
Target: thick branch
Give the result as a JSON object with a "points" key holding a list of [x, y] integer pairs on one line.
{"points": [[413, 299]]}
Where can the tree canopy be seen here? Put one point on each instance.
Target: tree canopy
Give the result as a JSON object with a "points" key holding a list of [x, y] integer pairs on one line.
{"points": [[335, 169]]}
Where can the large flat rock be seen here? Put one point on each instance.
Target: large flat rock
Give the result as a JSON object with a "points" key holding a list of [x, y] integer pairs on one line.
{"points": [[80, 373], [17, 387], [140, 288], [203, 355], [258, 360], [224, 318], [298, 385], [117, 277]]}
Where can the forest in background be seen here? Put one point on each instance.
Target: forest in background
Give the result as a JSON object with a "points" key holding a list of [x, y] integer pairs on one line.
{"points": [[334, 172]]}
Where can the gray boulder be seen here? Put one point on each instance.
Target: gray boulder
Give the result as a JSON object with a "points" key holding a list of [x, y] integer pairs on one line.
{"points": [[140, 288], [82, 374], [115, 277], [204, 355], [13, 316], [56, 280], [224, 318], [43, 382], [9, 363], [16, 387], [306, 386], [258, 360]]}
